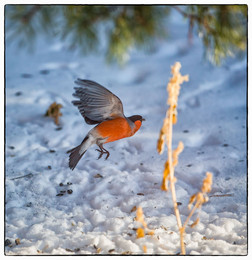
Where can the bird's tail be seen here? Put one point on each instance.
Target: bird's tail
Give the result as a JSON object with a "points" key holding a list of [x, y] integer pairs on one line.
{"points": [[77, 152]]}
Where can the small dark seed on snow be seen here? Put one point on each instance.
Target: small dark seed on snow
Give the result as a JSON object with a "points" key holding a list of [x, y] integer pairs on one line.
{"points": [[62, 191], [133, 209], [17, 241], [140, 194], [52, 151], [69, 250], [7, 242], [60, 194], [98, 175], [19, 93], [49, 167], [126, 253], [26, 75], [69, 191], [69, 183], [29, 204], [61, 184], [44, 72], [12, 147], [58, 128]]}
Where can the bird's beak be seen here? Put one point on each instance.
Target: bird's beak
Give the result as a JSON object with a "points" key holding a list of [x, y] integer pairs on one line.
{"points": [[143, 119]]}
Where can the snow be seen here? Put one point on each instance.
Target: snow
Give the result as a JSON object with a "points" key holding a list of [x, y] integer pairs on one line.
{"points": [[97, 217]]}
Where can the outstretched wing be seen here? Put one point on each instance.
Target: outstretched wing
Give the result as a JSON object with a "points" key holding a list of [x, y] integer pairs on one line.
{"points": [[96, 103]]}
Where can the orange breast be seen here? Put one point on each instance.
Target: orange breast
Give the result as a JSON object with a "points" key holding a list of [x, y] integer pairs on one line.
{"points": [[114, 129]]}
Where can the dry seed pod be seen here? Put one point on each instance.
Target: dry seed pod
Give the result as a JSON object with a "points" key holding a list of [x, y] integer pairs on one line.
{"points": [[166, 169], [207, 183], [160, 143], [200, 198], [191, 201], [151, 232], [174, 118], [140, 216], [195, 223], [164, 185], [140, 232], [176, 153]]}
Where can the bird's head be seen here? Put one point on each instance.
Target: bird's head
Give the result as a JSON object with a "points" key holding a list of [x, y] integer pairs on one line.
{"points": [[137, 120]]}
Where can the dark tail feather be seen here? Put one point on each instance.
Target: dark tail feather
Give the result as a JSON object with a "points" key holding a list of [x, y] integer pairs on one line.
{"points": [[74, 156]]}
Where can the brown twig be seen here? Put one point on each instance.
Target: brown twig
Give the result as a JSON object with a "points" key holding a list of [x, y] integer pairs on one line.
{"points": [[221, 195], [24, 176], [27, 17], [200, 20], [191, 16]]}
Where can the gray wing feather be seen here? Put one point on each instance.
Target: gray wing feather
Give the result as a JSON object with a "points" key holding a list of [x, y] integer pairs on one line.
{"points": [[96, 103]]}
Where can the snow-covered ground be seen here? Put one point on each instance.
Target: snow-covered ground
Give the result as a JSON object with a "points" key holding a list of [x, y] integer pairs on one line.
{"points": [[97, 217]]}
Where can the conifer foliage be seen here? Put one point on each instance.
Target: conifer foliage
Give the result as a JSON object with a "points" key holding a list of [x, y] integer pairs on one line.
{"points": [[222, 28]]}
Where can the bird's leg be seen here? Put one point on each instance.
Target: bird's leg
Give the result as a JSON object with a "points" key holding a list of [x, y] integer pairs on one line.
{"points": [[107, 152], [102, 151]]}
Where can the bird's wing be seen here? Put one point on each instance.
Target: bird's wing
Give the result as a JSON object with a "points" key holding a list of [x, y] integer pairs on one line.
{"points": [[96, 103]]}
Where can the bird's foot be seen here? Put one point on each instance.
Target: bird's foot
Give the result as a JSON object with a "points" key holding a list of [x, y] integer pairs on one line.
{"points": [[102, 151]]}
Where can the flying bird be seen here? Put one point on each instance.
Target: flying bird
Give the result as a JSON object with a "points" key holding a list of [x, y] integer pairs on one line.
{"points": [[102, 108]]}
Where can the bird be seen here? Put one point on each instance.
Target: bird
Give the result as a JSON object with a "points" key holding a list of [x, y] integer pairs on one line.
{"points": [[102, 108]]}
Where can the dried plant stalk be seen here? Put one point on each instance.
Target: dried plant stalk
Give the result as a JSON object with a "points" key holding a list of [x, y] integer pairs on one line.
{"points": [[199, 199], [165, 136]]}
